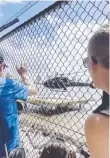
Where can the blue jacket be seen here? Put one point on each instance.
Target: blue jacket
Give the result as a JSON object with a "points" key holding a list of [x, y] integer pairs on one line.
{"points": [[10, 91]]}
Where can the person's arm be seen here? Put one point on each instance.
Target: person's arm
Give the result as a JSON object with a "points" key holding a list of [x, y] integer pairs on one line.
{"points": [[25, 79], [31, 86]]}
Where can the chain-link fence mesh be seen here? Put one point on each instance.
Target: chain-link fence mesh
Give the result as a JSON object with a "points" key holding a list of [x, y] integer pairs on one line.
{"points": [[53, 45]]}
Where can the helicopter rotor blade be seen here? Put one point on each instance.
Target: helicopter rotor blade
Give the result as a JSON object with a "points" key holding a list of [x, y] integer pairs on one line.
{"points": [[63, 74]]}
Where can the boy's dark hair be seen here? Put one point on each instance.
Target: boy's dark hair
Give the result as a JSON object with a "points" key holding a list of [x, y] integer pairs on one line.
{"points": [[55, 150], [99, 46]]}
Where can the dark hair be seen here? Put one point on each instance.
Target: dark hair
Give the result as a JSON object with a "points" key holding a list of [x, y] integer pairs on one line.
{"points": [[55, 150], [99, 46]]}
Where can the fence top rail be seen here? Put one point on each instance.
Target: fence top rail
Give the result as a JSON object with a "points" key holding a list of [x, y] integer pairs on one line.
{"points": [[53, 6]]}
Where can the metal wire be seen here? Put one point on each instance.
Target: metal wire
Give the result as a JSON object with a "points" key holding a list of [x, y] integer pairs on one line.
{"points": [[54, 42]]}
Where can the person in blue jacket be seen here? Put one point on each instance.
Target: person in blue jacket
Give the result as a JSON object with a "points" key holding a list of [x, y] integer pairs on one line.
{"points": [[10, 91]]}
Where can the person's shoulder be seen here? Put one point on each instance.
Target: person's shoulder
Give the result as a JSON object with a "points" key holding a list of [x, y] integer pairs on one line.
{"points": [[4, 80], [11, 81], [6, 88], [7, 82]]}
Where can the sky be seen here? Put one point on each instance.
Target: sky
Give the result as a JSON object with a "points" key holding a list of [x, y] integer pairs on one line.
{"points": [[10, 7]]}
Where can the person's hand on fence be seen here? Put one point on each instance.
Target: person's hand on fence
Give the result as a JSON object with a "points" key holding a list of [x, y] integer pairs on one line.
{"points": [[22, 71]]}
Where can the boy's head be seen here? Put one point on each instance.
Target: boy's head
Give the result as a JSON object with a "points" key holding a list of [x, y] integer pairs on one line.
{"points": [[56, 150], [98, 57]]}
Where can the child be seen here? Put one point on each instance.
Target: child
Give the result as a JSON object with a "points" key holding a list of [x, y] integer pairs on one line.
{"points": [[57, 149]]}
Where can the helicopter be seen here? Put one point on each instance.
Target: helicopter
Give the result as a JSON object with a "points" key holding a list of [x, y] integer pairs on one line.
{"points": [[61, 82]]}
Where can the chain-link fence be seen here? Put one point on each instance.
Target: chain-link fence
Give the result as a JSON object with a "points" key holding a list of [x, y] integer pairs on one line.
{"points": [[53, 45]]}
